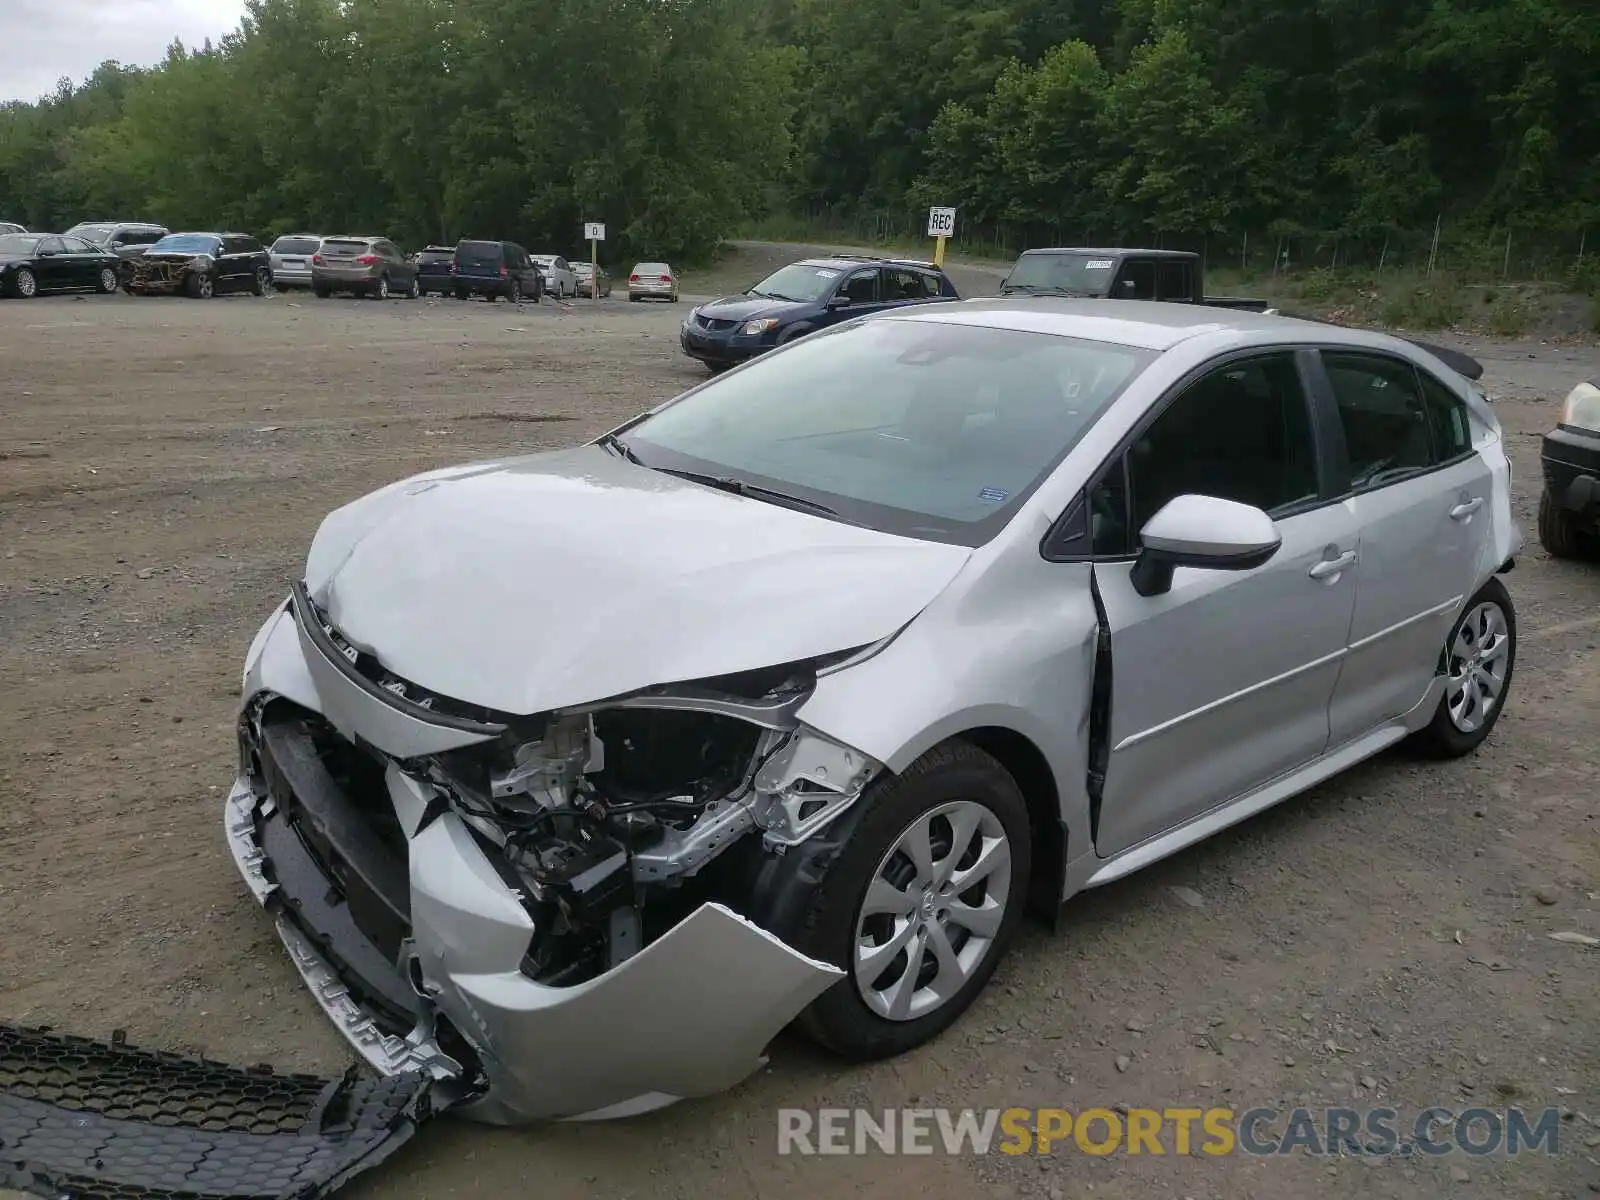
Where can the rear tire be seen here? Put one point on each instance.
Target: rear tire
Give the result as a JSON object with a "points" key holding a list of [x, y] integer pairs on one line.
{"points": [[381, 290], [514, 292], [1479, 657], [416, 290], [1561, 535], [461, 293], [954, 787]]}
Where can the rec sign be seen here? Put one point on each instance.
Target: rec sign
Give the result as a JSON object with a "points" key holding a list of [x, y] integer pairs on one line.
{"points": [[941, 222]]}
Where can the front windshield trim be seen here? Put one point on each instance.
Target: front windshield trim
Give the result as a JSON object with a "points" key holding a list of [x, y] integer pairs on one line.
{"points": [[634, 438]]}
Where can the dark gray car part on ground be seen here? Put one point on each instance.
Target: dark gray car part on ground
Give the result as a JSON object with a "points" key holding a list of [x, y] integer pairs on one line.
{"points": [[88, 1120]]}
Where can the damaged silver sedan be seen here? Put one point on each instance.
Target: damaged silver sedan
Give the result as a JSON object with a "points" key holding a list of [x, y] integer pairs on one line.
{"points": [[572, 779]]}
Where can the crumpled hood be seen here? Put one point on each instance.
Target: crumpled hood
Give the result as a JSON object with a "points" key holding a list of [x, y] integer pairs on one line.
{"points": [[745, 308], [555, 579]]}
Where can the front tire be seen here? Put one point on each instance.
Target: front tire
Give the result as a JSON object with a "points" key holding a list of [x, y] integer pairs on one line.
{"points": [[262, 284], [200, 286], [108, 281], [1561, 535], [25, 284], [1479, 657], [919, 903]]}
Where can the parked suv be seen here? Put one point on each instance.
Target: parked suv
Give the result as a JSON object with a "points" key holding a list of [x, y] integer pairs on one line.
{"points": [[126, 239], [291, 258], [436, 266], [804, 296], [363, 266], [495, 269], [201, 265]]}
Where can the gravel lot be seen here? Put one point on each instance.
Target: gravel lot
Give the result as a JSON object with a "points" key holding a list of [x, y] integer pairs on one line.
{"points": [[163, 465]]}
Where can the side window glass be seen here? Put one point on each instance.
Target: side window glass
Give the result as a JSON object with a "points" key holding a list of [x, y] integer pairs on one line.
{"points": [[51, 246], [901, 284], [1447, 420], [1385, 423], [1175, 281], [862, 287], [1110, 532], [1136, 282], [1241, 432]]}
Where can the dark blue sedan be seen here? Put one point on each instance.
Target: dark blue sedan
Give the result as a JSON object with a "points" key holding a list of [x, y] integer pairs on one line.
{"points": [[805, 296]]}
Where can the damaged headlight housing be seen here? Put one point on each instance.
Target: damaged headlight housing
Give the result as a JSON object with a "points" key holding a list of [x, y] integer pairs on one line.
{"points": [[610, 814]]}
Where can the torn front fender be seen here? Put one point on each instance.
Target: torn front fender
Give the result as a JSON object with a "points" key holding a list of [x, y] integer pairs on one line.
{"points": [[91, 1120]]}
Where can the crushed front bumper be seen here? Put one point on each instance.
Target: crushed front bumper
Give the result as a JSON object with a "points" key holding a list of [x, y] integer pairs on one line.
{"points": [[424, 971]]}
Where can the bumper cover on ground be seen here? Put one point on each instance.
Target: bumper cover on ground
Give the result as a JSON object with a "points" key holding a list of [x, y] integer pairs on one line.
{"points": [[103, 1121]]}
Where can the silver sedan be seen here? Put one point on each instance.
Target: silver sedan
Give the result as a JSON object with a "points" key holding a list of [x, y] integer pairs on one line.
{"points": [[573, 778]]}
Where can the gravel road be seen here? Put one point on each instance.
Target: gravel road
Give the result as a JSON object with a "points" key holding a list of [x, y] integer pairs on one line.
{"points": [[1384, 939]]}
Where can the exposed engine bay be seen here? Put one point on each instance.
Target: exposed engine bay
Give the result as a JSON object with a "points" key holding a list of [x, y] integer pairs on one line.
{"points": [[612, 821], [611, 817]]}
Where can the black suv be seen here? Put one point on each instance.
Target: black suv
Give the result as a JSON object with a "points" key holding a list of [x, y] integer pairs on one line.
{"points": [[495, 269], [201, 265], [436, 268], [803, 296]]}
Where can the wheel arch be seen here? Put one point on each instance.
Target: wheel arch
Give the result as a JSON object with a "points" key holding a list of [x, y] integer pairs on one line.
{"points": [[1028, 767]]}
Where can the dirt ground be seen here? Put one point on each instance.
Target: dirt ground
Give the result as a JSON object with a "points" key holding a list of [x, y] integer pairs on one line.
{"points": [[1382, 940]]}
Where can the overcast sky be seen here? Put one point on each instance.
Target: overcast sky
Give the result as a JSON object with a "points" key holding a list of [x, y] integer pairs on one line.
{"points": [[42, 40]]}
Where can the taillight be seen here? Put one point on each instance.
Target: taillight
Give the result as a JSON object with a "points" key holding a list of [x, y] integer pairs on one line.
{"points": [[316, 260], [503, 271], [368, 260], [633, 279]]}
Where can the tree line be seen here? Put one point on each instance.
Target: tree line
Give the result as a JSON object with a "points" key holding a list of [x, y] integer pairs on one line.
{"points": [[676, 120]]}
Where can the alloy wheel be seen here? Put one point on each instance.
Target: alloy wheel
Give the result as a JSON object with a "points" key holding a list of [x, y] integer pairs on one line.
{"points": [[207, 288], [1479, 658], [932, 910], [108, 280], [383, 288], [27, 284]]}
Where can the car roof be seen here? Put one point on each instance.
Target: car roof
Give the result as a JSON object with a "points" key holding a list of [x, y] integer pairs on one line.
{"points": [[1112, 251], [1146, 324], [843, 262]]}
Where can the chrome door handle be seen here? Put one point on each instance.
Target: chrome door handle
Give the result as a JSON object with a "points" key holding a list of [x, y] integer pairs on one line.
{"points": [[1465, 509], [1330, 567]]}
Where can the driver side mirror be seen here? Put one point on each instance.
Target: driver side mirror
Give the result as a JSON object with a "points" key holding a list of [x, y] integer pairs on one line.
{"points": [[840, 300], [1201, 531]]}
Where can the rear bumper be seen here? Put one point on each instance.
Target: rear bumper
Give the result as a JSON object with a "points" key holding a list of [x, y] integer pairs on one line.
{"points": [[410, 934], [1570, 459], [660, 291], [340, 280], [291, 277]]}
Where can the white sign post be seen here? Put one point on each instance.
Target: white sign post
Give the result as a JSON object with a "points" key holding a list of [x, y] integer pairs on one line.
{"points": [[941, 225], [595, 231]]}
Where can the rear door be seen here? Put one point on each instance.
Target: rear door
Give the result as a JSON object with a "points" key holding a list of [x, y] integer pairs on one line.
{"points": [[1224, 682], [401, 273], [85, 259], [1422, 495]]}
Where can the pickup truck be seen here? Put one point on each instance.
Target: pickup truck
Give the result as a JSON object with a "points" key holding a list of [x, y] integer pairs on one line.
{"points": [[1171, 275]]}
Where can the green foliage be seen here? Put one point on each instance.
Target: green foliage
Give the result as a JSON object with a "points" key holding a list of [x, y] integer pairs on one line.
{"points": [[1353, 122], [1426, 306], [1509, 315], [428, 120]]}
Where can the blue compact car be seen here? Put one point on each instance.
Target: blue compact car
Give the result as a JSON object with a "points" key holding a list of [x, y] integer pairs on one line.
{"points": [[805, 296]]}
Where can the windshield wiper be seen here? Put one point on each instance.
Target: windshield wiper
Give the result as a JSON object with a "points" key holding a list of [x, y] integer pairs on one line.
{"points": [[781, 296], [752, 491], [1040, 289], [613, 443]]}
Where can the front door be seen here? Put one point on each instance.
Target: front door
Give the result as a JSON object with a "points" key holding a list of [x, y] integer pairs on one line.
{"points": [[52, 265], [1224, 682], [863, 287], [1422, 495]]}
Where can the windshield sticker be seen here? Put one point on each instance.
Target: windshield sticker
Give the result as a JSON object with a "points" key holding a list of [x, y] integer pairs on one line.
{"points": [[824, 273], [993, 495], [1099, 264]]}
